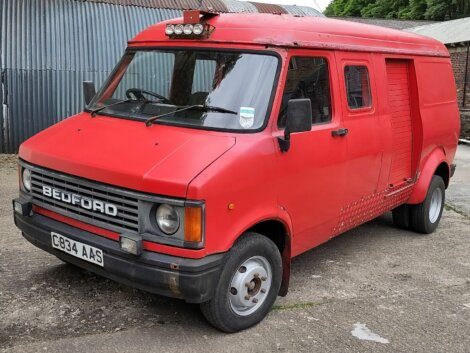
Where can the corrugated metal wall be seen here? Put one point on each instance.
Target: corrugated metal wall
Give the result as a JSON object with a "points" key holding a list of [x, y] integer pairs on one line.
{"points": [[302, 10], [48, 47], [268, 8]]}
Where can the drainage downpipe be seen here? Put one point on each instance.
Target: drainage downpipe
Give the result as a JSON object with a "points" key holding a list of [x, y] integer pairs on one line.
{"points": [[465, 80]]}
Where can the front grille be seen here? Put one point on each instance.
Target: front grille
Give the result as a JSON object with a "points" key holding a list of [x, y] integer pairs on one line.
{"points": [[127, 204]]}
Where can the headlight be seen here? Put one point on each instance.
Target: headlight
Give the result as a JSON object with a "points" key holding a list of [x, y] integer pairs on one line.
{"points": [[167, 219], [27, 179]]}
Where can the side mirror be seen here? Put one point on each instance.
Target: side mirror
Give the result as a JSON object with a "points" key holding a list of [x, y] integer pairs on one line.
{"points": [[299, 119], [89, 91]]}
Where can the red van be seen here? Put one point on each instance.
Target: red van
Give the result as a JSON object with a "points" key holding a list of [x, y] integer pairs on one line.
{"points": [[222, 146]]}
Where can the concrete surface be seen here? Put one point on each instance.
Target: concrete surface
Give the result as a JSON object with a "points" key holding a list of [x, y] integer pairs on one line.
{"points": [[403, 291]]}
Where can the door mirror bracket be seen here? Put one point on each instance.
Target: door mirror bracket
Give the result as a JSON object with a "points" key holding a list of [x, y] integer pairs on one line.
{"points": [[284, 142], [89, 91], [299, 119]]}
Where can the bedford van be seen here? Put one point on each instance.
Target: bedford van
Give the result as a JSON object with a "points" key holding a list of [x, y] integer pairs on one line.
{"points": [[224, 145]]}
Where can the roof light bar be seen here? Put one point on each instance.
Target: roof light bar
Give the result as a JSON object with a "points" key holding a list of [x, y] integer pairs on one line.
{"points": [[188, 30]]}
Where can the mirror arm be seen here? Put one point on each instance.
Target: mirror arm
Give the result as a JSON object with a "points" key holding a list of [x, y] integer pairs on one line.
{"points": [[284, 142], [89, 91]]}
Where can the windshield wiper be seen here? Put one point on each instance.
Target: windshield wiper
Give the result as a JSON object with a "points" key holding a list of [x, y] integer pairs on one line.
{"points": [[96, 111], [207, 108]]}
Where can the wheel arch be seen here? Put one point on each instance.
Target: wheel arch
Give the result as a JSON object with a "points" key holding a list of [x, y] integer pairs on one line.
{"points": [[443, 170], [279, 232], [435, 164]]}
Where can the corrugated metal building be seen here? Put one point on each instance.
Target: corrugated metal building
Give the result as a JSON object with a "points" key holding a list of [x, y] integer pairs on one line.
{"points": [[48, 47], [387, 22]]}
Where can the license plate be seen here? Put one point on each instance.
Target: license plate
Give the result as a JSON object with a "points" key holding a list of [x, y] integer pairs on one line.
{"points": [[77, 249]]}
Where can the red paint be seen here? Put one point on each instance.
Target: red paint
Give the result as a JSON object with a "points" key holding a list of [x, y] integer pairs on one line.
{"points": [[322, 186], [304, 32], [400, 120], [93, 148]]}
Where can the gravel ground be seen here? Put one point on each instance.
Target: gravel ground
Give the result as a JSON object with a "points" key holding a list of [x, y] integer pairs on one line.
{"points": [[373, 289]]}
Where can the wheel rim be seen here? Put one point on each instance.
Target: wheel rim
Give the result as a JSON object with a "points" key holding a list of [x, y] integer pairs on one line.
{"points": [[436, 205], [250, 285]]}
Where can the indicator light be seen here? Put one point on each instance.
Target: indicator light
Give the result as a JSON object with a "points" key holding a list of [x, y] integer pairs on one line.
{"points": [[193, 224]]}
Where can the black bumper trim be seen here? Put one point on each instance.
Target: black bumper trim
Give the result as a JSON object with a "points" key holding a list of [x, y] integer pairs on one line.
{"points": [[192, 280]]}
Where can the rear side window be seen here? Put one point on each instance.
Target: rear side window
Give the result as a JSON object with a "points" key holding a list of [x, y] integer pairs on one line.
{"points": [[308, 77], [358, 87]]}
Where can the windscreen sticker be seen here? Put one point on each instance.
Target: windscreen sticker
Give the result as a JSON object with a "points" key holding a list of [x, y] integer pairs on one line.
{"points": [[247, 117]]}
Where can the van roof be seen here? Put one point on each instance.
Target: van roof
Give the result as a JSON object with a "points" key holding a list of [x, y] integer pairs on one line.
{"points": [[304, 32]]}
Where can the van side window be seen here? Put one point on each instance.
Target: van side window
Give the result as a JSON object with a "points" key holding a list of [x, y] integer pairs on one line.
{"points": [[308, 77], [358, 87]]}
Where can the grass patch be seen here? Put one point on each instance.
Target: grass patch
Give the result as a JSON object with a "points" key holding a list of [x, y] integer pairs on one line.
{"points": [[449, 207], [295, 306]]}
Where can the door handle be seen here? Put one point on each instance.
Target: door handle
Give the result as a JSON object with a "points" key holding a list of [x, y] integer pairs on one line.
{"points": [[339, 132]]}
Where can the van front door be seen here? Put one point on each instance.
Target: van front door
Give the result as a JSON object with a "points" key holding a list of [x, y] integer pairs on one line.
{"points": [[313, 170]]}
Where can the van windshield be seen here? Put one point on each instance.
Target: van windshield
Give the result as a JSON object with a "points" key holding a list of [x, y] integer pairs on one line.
{"points": [[231, 90]]}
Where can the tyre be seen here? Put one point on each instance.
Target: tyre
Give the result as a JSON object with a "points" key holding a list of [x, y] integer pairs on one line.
{"points": [[401, 217], [248, 285], [425, 217]]}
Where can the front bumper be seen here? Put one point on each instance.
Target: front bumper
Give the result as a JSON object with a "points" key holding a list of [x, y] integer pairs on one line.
{"points": [[193, 280]]}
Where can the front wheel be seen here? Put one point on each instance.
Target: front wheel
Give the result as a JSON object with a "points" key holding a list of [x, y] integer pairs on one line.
{"points": [[248, 285], [425, 217]]}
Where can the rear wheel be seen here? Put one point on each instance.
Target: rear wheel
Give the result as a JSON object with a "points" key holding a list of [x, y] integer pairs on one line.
{"points": [[248, 285], [425, 217]]}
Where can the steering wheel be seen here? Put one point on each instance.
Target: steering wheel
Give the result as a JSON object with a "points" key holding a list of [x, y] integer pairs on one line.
{"points": [[138, 93]]}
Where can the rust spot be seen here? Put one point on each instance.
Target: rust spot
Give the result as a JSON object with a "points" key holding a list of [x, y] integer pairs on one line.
{"points": [[173, 284]]}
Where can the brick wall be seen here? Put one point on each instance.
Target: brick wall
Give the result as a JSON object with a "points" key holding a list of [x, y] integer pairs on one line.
{"points": [[465, 124], [458, 57]]}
